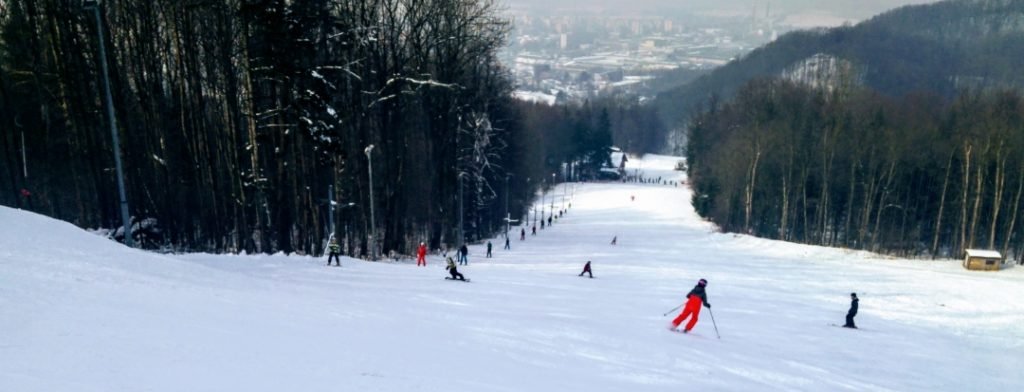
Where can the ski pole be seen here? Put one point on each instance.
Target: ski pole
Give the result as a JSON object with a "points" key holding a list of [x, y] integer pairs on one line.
{"points": [[713, 323], [673, 310]]}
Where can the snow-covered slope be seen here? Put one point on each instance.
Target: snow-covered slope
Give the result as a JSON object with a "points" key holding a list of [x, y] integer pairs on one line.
{"points": [[79, 313]]}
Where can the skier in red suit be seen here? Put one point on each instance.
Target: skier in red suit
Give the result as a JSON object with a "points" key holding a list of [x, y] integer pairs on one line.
{"points": [[421, 255], [694, 299]]}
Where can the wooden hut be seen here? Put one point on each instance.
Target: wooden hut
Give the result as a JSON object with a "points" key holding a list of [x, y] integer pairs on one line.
{"points": [[983, 260]]}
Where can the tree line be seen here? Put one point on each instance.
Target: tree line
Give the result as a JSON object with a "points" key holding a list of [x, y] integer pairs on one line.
{"points": [[912, 176], [237, 117]]}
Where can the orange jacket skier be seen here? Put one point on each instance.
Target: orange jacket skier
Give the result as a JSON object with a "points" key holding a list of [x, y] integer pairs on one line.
{"points": [[693, 301]]}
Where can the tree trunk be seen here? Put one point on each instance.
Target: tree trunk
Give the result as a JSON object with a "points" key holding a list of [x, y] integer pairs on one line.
{"points": [[942, 205]]}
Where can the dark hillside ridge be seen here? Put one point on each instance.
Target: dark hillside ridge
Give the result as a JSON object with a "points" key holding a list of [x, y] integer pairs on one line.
{"points": [[938, 48]]}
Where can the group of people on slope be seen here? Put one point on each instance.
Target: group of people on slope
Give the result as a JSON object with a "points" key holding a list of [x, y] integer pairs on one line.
{"points": [[691, 309]]}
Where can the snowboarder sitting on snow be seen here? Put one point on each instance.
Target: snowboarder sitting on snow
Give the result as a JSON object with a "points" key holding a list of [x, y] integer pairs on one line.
{"points": [[454, 271], [586, 270], [335, 252], [694, 299], [853, 311]]}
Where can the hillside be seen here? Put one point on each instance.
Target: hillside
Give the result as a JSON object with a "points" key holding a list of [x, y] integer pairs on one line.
{"points": [[80, 313], [939, 48]]}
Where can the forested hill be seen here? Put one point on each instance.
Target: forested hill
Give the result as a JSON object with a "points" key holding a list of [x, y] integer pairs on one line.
{"points": [[938, 48], [273, 125]]}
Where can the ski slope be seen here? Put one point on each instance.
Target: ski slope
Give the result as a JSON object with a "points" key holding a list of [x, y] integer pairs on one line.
{"points": [[80, 313]]}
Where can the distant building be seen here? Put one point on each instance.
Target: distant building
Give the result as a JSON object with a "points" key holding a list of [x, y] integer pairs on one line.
{"points": [[983, 260]]}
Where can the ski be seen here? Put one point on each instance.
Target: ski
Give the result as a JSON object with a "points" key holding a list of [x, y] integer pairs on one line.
{"points": [[838, 325]]}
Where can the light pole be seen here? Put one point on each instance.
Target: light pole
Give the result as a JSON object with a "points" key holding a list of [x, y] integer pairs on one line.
{"points": [[508, 218], [331, 204], [543, 200], [553, 185], [462, 233], [94, 6], [565, 189], [373, 221]]}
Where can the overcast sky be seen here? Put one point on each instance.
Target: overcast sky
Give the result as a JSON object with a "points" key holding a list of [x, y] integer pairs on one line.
{"points": [[850, 9]]}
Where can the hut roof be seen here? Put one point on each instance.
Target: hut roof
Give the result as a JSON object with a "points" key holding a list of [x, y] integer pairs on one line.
{"points": [[988, 254]]}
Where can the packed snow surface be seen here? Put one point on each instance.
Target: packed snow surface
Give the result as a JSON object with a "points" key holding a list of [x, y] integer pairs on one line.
{"points": [[81, 313]]}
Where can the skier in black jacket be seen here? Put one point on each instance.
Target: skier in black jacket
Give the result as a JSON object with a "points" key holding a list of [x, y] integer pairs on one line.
{"points": [[586, 270], [853, 311], [693, 301]]}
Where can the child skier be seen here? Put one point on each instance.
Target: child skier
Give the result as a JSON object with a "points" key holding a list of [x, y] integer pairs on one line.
{"points": [[335, 252], [854, 304], [453, 270], [421, 255], [586, 270], [694, 299]]}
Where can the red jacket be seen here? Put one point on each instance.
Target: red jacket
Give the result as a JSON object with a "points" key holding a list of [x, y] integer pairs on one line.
{"points": [[422, 251]]}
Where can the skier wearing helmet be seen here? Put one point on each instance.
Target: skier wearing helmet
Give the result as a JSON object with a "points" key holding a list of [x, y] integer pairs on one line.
{"points": [[421, 255], [693, 301]]}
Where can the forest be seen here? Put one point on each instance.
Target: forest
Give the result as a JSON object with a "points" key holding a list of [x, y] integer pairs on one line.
{"points": [[243, 122], [920, 175]]}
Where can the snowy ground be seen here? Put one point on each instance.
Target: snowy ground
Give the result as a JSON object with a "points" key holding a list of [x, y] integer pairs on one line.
{"points": [[79, 313]]}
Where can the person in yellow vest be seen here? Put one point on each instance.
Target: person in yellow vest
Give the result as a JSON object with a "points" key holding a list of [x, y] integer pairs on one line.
{"points": [[456, 275], [334, 251]]}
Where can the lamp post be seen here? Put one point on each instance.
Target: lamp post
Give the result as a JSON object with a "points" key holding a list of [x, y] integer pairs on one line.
{"points": [[552, 210], [373, 221], [462, 233], [331, 203], [543, 200], [94, 6], [508, 218]]}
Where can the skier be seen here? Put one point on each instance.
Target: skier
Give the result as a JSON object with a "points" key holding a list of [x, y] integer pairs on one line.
{"points": [[534, 232], [586, 270], [615, 240], [507, 245], [852, 312], [335, 252], [694, 299], [421, 255], [453, 270], [488, 249], [463, 252], [632, 198], [522, 234], [542, 223]]}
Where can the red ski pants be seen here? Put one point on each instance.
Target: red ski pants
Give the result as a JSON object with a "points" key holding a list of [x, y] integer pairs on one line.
{"points": [[421, 259], [692, 307]]}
